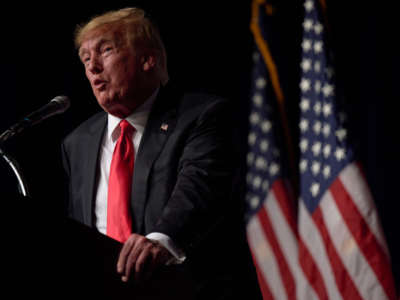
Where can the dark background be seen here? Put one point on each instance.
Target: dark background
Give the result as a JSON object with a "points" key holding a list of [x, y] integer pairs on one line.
{"points": [[209, 47]]}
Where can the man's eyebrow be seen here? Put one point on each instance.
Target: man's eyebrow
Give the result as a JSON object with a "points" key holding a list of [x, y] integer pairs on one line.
{"points": [[97, 45], [82, 52]]}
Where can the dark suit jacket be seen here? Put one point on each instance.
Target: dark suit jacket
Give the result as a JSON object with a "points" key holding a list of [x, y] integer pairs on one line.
{"points": [[181, 186]]}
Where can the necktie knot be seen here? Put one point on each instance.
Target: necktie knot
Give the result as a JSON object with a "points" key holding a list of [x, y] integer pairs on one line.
{"points": [[126, 128]]}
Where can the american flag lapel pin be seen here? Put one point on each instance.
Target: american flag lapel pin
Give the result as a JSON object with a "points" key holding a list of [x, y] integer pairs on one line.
{"points": [[164, 127]]}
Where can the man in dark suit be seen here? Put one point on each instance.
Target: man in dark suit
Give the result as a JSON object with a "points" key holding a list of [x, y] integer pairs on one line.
{"points": [[155, 170]]}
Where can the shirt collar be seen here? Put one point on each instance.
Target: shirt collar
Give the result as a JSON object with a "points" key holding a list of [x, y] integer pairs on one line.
{"points": [[137, 119]]}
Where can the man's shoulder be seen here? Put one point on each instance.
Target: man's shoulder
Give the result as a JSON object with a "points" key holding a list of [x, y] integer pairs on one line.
{"points": [[201, 99], [190, 99], [197, 102], [203, 104], [189, 105]]}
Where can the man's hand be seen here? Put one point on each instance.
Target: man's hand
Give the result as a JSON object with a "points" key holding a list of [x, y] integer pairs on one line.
{"points": [[141, 256]]}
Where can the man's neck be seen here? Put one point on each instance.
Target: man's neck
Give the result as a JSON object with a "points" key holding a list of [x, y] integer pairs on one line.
{"points": [[124, 111]]}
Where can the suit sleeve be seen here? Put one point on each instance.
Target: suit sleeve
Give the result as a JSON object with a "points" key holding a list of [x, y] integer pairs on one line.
{"points": [[200, 198]]}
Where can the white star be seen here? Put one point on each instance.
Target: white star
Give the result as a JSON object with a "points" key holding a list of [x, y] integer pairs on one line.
{"points": [[327, 150], [266, 126], [317, 86], [306, 45], [303, 165], [256, 56], [254, 202], [261, 83], [305, 85], [303, 125], [339, 153], [317, 127], [326, 130], [327, 171], [341, 134], [317, 108], [317, 66], [327, 109], [318, 47], [309, 5], [264, 146], [307, 24], [273, 169], [265, 185], [250, 158], [314, 189], [257, 99], [328, 90], [315, 168], [252, 138], [261, 163], [318, 28], [305, 104], [254, 118], [257, 182], [306, 65], [303, 145], [316, 148]]}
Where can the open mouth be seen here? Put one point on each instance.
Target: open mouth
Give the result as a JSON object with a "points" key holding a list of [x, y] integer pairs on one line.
{"points": [[99, 84]]}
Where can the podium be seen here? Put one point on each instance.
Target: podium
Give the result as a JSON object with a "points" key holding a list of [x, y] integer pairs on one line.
{"points": [[67, 259], [50, 256], [45, 254]]}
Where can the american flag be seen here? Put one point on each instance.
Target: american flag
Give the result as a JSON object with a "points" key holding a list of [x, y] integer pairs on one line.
{"points": [[332, 247], [342, 249], [271, 226]]}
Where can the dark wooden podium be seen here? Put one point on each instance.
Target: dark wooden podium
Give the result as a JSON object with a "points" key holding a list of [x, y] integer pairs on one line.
{"points": [[48, 256]]}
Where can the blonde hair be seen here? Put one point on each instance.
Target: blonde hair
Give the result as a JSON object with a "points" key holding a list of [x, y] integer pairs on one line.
{"points": [[133, 28]]}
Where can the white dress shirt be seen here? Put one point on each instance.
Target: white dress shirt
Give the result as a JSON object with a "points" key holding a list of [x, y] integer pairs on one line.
{"points": [[138, 120]]}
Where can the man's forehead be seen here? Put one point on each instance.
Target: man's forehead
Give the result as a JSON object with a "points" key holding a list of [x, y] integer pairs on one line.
{"points": [[96, 37]]}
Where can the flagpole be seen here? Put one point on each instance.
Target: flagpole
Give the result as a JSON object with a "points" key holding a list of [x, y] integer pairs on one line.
{"points": [[272, 70]]}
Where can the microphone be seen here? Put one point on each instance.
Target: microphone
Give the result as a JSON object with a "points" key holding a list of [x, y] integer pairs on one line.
{"points": [[56, 106]]}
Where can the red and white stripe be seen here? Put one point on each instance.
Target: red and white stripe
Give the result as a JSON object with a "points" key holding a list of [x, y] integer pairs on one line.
{"points": [[314, 254], [345, 243], [273, 240]]}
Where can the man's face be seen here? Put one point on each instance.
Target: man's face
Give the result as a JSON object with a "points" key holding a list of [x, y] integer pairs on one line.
{"points": [[114, 72]]}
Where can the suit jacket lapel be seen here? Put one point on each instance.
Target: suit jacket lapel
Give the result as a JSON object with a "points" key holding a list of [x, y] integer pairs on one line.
{"points": [[159, 126], [91, 154]]}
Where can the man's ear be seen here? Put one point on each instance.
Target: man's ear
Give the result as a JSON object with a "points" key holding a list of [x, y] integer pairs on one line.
{"points": [[148, 62]]}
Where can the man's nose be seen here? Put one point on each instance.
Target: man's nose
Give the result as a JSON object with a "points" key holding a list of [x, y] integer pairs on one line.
{"points": [[95, 65]]}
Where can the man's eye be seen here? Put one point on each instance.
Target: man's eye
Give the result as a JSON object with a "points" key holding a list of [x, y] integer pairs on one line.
{"points": [[107, 49], [85, 58]]}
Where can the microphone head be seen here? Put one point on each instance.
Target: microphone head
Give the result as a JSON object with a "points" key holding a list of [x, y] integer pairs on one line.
{"points": [[63, 103]]}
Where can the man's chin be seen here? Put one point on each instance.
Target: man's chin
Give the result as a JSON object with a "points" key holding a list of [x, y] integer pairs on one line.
{"points": [[115, 109], [106, 104]]}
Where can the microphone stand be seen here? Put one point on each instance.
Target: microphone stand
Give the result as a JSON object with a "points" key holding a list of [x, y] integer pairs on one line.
{"points": [[22, 186], [56, 106], [9, 133]]}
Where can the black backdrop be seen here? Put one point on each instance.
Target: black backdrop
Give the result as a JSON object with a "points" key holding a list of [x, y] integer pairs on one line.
{"points": [[209, 47]]}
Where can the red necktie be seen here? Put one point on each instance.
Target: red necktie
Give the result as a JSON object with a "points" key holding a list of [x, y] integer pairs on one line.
{"points": [[119, 219]]}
